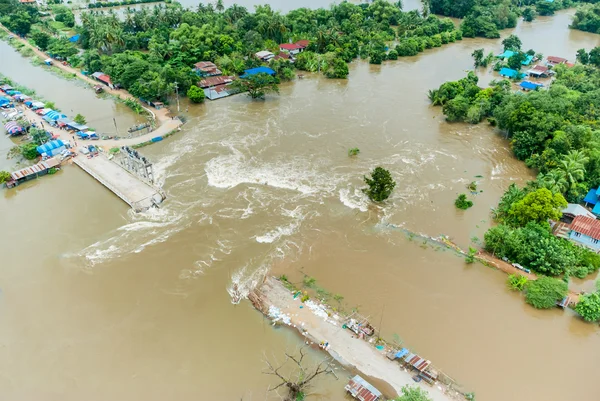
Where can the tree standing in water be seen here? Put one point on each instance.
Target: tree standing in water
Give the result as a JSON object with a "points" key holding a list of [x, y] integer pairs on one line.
{"points": [[298, 378], [381, 185]]}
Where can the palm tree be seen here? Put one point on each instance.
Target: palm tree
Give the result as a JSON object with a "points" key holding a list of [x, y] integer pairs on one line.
{"points": [[555, 181], [573, 167], [220, 6]]}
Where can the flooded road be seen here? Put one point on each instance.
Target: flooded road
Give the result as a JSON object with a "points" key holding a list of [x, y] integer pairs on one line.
{"points": [[97, 303]]}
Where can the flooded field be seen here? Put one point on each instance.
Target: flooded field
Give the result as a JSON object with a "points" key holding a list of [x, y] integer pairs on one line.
{"points": [[98, 303]]}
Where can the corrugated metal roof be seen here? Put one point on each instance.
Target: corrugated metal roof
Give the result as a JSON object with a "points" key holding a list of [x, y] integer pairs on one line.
{"points": [[214, 81], [362, 390], [586, 226], [556, 60], [27, 171]]}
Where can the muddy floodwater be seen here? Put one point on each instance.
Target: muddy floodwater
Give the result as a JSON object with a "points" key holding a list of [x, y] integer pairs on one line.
{"points": [[97, 303]]}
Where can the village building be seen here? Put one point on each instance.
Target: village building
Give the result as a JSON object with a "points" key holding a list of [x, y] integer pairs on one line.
{"points": [[362, 390], [530, 86], [206, 69], [29, 2], [264, 55], [553, 60], [31, 172], [510, 73], [51, 148], [215, 81], [585, 231], [218, 92], [283, 56], [105, 79], [538, 71], [291, 48]]}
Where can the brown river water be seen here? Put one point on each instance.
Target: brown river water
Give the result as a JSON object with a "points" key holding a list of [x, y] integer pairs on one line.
{"points": [[97, 303]]}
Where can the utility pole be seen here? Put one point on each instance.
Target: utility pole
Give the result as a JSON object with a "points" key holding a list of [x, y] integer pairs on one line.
{"points": [[177, 93]]}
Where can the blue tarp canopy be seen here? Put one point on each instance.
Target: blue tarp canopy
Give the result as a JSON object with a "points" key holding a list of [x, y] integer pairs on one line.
{"points": [[13, 92], [74, 38], [53, 116], [4, 100], [591, 197], [401, 353], [48, 147], [27, 103], [530, 85], [596, 209], [258, 70], [527, 61], [506, 54]]}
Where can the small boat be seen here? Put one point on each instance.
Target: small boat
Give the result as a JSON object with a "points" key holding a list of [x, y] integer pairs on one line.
{"points": [[98, 88]]}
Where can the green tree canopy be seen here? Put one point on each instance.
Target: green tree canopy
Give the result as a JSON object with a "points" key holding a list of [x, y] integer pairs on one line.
{"points": [[4, 176], [589, 307], [257, 85], [79, 119], [545, 292], [381, 185], [538, 206], [412, 393], [512, 42], [196, 94]]}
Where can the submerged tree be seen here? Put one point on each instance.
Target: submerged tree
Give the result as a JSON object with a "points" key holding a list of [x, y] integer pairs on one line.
{"points": [[512, 42], [380, 185], [298, 377], [257, 85], [79, 119], [412, 394]]}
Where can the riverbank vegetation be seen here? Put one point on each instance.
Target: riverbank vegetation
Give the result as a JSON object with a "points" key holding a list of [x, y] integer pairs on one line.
{"points": [[587, 18], [148, 50], [486, 18]]}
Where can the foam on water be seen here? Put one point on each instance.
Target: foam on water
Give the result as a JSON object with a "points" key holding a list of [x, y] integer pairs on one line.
{"points": [[354, 199], [297, 174]]}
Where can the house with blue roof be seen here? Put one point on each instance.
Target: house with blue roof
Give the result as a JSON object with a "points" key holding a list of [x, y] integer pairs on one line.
{"points": [[530, 86], [593, 199], [506, 54], [257, 70], [510, 73], [51, 148]]}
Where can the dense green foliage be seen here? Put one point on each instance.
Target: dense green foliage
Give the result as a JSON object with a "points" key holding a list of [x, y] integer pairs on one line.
{"points": [[4, 176], [79, 119], [462, 202], [412, 393], [554, 131], [29, 151], [196, 94], [545, 292], [523, 235], [148, 50], [517, 282], [381, 184], [65, 15], [587, 18], [589, 307], [538, 206], [486, 17], [100, 4]]}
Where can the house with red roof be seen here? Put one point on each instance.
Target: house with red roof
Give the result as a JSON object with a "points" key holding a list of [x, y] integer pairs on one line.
{"points": [[585, 231], [294, 48], [553, 60], [206, 69]]}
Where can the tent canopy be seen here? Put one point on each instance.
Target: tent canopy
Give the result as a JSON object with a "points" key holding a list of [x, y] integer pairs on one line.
{"points": [[47, 147], [258, 70], [53, 116], [13, 128]]}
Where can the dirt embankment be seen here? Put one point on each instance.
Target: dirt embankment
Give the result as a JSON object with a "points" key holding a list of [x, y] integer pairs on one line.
{"points": [[317, 325]]}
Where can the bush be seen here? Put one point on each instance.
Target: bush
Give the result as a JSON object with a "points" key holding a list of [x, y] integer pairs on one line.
{"points": [[589, 307], [380, 185], [517, 282], [4, 176], [29, 151], [545, 292], [195, 94], [462, 202], [392, 55], [353, 151]]}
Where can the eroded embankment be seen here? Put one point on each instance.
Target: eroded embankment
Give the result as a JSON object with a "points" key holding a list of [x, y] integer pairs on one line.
{"points": [[319, 324]]}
